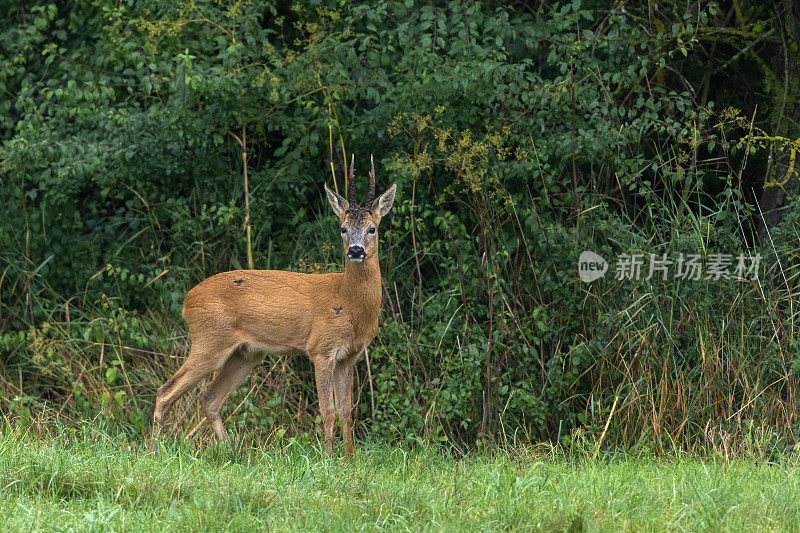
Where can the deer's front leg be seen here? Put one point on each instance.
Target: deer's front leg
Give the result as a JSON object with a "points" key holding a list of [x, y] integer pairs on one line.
{"points": [[343, 385], [323, 374]]}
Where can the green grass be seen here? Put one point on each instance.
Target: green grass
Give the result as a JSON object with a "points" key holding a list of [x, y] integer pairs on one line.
{"points": [[90, 480]]}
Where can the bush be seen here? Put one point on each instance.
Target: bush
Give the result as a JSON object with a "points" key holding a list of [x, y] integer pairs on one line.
{"points": [[517, 137]]}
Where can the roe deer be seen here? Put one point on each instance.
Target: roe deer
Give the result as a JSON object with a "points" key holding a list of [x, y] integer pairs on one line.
{"points": [[236, 318]]}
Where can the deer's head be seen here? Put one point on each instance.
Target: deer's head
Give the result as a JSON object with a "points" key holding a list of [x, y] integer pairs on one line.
{"points": [[359, 224]]}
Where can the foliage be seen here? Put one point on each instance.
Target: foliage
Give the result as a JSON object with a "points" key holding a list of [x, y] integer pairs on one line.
{"points": [[518, 136]]}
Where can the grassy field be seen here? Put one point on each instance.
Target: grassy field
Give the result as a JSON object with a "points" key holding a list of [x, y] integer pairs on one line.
{"points": [[89, 480]]}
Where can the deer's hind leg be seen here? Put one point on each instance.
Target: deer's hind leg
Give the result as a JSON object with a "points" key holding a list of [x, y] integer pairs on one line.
{"points": [[228, 378], [203, 359]]}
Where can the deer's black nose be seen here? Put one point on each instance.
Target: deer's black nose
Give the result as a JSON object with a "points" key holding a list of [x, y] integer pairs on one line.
{"points": [[356, 252]]}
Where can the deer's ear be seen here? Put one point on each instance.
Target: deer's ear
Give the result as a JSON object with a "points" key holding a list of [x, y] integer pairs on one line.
{"points": [[338, 203], [384, 202]]}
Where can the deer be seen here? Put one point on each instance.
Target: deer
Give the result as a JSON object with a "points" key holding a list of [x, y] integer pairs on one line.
{"points": [[237, 318]]}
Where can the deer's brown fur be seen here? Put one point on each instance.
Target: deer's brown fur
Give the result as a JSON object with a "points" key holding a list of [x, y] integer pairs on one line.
{"points": [[236, 318]]}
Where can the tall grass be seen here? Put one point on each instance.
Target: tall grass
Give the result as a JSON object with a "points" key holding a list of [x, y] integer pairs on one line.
{"points": [[701, 364]]}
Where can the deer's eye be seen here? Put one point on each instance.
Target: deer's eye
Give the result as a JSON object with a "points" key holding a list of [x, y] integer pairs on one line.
{"points": [[372, 230], [344, 230]]}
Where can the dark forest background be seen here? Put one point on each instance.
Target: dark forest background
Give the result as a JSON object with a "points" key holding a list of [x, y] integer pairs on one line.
{"points": [[519, 135]]}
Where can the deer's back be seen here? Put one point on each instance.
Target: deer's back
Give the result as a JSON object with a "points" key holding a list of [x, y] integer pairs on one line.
{"points": [[270, 309]]}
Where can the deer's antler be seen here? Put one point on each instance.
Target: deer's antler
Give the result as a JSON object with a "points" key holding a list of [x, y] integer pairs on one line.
{"points": [[371, 195], [351, 185]]}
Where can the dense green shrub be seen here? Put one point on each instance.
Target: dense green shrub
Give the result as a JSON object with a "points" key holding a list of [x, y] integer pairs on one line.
{"points": [[518, 136]]}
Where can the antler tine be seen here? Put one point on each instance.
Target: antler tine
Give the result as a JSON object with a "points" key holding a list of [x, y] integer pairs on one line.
{"points": [[371, 195], [351, 185]]}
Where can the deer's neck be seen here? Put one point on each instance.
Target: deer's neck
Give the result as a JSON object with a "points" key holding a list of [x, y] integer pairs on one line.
{"points": [[361, 286]]}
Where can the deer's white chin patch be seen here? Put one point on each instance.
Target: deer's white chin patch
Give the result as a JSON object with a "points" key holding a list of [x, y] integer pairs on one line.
{"points": [[355, 259]]}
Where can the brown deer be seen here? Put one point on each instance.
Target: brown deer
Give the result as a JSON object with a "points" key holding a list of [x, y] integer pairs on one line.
{"points": [[236, 318]]}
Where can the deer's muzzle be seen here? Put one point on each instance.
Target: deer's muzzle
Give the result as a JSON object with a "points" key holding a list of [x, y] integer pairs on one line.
{"points": [[356, 254]]}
